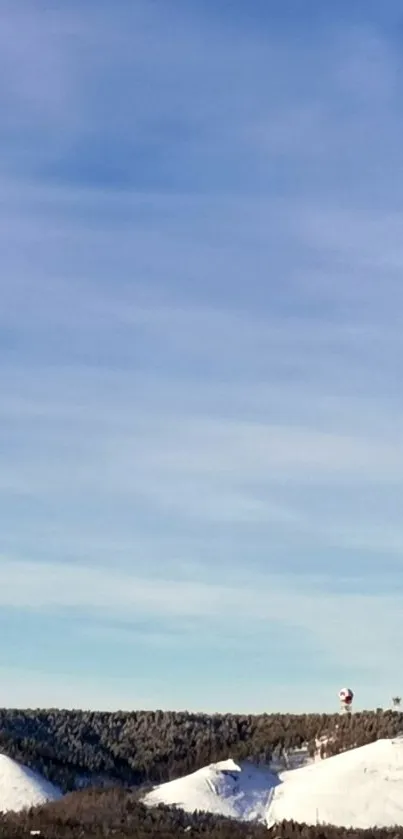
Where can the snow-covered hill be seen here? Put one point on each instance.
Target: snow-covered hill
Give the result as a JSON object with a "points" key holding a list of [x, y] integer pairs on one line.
{"points": [[237, 790], [359, 788], [21, 788]]}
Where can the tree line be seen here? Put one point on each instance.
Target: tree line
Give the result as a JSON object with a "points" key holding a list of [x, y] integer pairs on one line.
{"points": [[75, 748]]}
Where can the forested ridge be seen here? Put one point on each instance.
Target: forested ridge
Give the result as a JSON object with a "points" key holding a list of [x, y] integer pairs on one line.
{"points": [[148, 747]]}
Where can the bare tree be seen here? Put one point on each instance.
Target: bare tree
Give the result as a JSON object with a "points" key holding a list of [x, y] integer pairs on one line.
{"points": [[396, 701]]}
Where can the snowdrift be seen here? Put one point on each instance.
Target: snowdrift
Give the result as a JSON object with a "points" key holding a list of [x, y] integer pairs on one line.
{"points": [[21, 788], [360, 788], [236, 790]]}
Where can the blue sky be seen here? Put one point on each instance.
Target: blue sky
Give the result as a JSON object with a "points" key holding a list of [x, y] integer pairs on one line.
{"points": [[201, 436]]}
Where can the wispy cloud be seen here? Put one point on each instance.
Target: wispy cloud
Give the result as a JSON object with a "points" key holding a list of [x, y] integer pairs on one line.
{"points": [[121, 611]]}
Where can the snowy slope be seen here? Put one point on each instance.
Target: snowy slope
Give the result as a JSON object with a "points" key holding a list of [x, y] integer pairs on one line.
{"points": [[22, 788], [359, 788], [237, 790]]}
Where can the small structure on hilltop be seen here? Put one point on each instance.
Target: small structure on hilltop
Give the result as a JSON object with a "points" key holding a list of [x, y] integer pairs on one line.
{"points": [[346, 697]]}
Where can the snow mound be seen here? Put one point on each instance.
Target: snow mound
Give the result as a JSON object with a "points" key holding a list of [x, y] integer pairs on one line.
{"points": [[360, 788], [236, 790], [21, 788]]}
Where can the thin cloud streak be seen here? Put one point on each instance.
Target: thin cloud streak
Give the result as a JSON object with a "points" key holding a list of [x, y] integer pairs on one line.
{"points": [[263, 601]]}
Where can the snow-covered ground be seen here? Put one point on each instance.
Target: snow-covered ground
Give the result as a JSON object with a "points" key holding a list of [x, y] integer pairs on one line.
{"points": [[359, 788], [237, 790], [21, 788]]}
